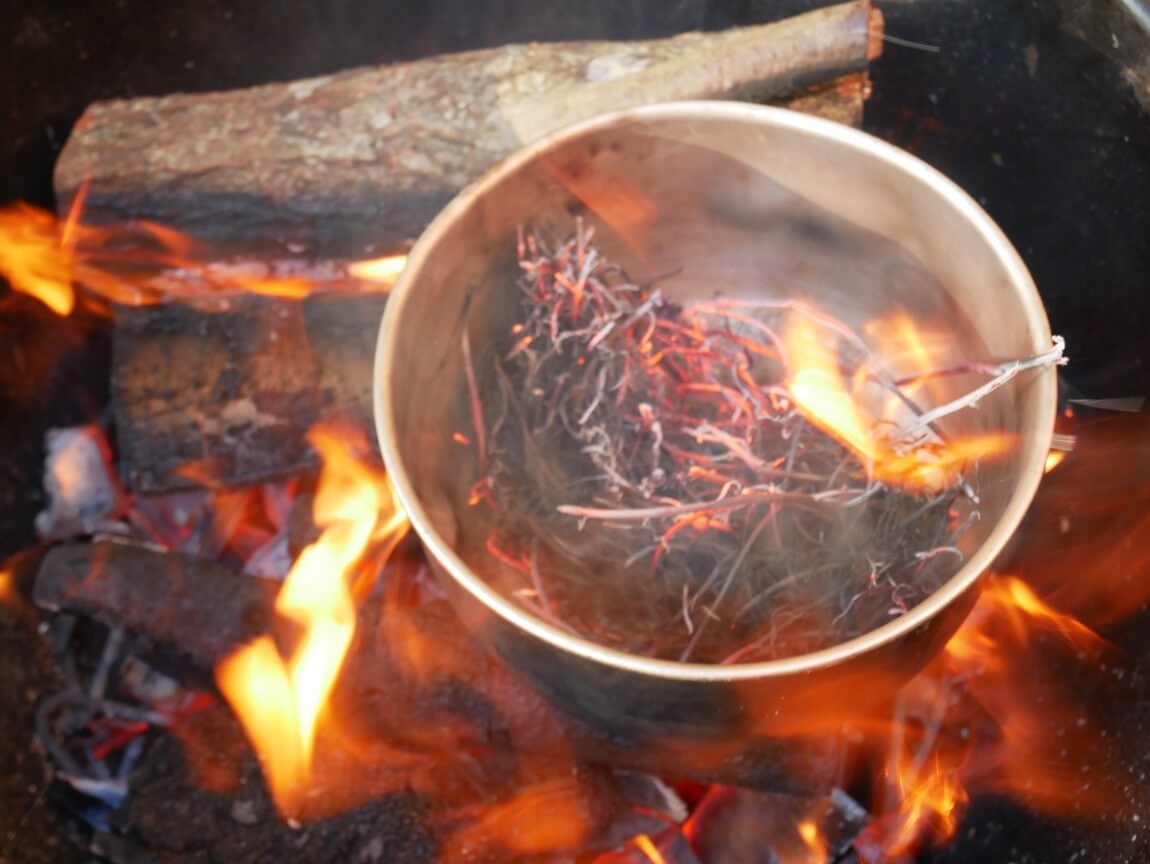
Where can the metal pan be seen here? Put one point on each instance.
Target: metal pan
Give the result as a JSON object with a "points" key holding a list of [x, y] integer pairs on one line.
{"points": [[750, 200]]}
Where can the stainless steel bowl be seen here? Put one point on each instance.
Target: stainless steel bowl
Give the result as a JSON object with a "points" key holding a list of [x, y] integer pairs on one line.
{"points": [[750, 201]]}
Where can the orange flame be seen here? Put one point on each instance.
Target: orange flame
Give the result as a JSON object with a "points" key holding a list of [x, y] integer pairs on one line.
{"points": [[7, 587], [280, 701], [131, 263], [1087, 546], [1026, 611], [847, 411], [909, 350], [931, 802], [33, 259], [647, 846], [623, 205], [1038, 745], [546, 818]]}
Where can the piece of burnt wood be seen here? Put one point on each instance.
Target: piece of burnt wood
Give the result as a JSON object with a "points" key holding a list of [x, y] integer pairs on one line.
{"points": [[201, 608], [359, 162], [841, 100], [226, 394], [415, 673], [415, 681], [171, 818], [228, 397]]}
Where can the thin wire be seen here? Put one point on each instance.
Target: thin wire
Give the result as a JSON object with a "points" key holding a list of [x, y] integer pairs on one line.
{"points": [[907, 43]]}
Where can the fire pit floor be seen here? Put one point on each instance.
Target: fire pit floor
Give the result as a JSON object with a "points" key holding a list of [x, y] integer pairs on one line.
{"points": [[33, 830]]}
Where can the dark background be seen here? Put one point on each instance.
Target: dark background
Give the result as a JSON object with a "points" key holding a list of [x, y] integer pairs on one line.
{"points": [[1032, 107]]}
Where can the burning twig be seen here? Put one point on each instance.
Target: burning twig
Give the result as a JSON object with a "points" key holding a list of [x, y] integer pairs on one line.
{"points": [[1001, 375], [746, 461]]}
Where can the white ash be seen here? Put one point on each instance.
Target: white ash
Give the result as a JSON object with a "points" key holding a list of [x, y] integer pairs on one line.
{"points": [[272, 560], [80, 483]]}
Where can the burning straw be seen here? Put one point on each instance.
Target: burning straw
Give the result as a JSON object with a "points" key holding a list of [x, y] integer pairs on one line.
{"points": [[721, 482]]}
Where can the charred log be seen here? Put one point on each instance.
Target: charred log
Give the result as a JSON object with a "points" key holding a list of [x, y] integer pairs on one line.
{"points": [[415, 681], [201, 608], [228, 397]]}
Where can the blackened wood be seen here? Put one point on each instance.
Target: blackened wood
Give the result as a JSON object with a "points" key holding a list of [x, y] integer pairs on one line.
{"points": [[202, 608], [228, 397], [841, 100], [458, 678], [362, 160], [415, 678]]}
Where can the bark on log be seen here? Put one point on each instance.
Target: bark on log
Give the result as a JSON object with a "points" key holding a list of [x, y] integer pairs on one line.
{"points": [[227, 394], [359, 162]]}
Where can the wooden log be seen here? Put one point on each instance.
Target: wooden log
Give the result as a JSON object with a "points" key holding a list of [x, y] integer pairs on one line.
{"points": [[359, 162], [202, 608], [224, 391], [227, 396]]}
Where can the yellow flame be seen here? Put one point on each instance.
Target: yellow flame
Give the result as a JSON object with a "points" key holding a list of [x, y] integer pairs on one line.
{"points": [[933, 802], [385, 270], [843, 410], [812, 839], [1053, 459], [280, 700], [647, 846], [908, 349], [274, 286], [819, 390]]}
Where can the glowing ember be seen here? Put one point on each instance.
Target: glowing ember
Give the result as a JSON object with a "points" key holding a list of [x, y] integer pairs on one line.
{"points": [[280, 700], [7, 587], [80, 483]]}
